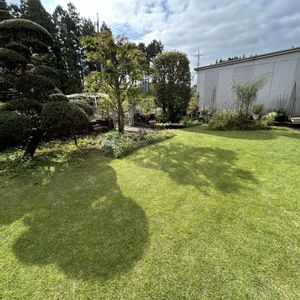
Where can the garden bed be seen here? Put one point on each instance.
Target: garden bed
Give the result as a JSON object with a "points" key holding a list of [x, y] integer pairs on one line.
{"points": [[117, 144]]}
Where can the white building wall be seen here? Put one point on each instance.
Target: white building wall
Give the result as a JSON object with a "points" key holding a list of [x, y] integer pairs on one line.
{"points": [[283, 72]]}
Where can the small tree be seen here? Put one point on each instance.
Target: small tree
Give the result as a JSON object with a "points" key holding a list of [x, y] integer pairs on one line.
{"points": [[172, 84], [122, 66], [246, 93]]}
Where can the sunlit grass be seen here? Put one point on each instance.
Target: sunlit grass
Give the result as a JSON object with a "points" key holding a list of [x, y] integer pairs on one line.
{"points": [[204, 215]]}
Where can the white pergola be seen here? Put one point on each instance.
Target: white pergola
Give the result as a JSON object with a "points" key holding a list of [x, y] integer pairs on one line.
{"points": [[93, 96]]}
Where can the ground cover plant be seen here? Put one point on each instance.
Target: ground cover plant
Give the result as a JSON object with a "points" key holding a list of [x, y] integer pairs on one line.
{"points": [[116, 144], [204, 215]]}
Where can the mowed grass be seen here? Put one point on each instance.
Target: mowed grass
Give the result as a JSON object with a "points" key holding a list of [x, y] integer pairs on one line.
{"points": [[204, 215]]}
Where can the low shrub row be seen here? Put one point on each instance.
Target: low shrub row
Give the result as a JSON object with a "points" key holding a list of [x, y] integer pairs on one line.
{"points": [[117, 144], [234, 120]]}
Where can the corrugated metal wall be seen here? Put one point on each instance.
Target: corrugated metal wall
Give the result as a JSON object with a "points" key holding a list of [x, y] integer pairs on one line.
{"points": [[282, 87]]}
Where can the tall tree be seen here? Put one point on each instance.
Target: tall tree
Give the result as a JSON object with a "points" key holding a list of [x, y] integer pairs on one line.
{"points": [[150, 51], [123, 64], [70, 30], [172, 84], [33, 10]]}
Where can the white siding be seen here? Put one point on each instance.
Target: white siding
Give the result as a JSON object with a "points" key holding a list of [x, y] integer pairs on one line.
{"points": [[283, 71]]}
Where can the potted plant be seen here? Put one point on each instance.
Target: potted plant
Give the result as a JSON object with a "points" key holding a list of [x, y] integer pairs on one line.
{"points": [[257, 109]]}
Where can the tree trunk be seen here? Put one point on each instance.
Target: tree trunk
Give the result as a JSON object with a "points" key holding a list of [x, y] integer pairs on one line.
{"points": [[33, 143], [120, 115], [74, 137]]}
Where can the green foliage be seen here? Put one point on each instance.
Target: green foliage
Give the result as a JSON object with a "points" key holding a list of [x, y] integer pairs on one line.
{"points": [[24, 106], [246, 93], [4, 11], [11, 59], [20, 28], [257, 109], [58, 98], [33, 10], [46, 71], [282, 115], [151, 50], [71, 28], [193, 108], [172, 79], [123, 64], [35, 86], [14, 129], [63, 118], [92, 82], [229, 120], [87, 108], [118, 144], [147, 104], [20, 48], [269, 118]]}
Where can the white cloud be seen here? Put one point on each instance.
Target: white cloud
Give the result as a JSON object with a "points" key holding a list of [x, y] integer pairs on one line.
{"points": [[220, 28]]}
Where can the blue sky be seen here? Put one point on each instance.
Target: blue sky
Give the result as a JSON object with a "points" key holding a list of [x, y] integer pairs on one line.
{"points": [[220, 28]]}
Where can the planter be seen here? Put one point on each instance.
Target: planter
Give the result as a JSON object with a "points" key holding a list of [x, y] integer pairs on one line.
{"points": [[152, 123], [295, 120], [255, 117]]}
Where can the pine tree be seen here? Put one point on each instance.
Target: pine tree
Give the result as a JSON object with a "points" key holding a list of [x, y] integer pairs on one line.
{"points": [[25, 46], [4, 11]]}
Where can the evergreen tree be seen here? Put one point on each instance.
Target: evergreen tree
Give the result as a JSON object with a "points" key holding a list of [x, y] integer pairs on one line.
{"points": [[23, 46], [4, 11], [172, 84], [33, 10], [70, 29]]}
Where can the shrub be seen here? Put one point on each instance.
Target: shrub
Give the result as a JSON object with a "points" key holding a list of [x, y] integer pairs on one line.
{"points": [[87, 108], [282, 115], [58, 97], [193, 107], [35, 86], [246, 93], [269, 118], [228, 120], [14, 129], [120, 144], [24, 106], [63, 118], [257, 109]]}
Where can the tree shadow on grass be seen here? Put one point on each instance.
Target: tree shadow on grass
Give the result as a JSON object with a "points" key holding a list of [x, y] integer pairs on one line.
{"points": [[268, 134], [201, 167], [79, 221]]}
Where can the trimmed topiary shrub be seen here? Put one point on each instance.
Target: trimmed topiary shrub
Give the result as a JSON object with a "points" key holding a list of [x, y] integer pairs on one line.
{"points": [[87, 108], [22, 27], [35, 86], [24, 106], [64, 118], [11, 58], [58, 98], [14, 129]]}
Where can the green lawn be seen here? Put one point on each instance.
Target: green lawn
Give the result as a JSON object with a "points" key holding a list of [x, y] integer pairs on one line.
{"points": [[204, 215]]}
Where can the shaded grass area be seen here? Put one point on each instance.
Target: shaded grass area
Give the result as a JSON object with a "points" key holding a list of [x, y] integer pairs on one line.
{"points": [[204, 215]]}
